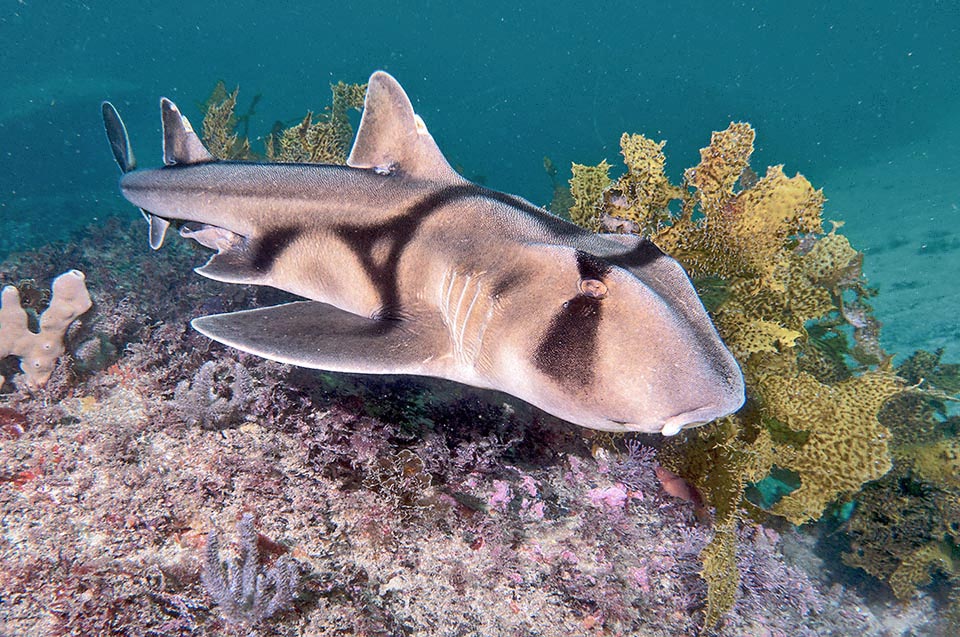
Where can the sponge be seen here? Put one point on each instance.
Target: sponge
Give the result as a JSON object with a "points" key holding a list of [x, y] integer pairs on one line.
{"points": [[38, 352]]}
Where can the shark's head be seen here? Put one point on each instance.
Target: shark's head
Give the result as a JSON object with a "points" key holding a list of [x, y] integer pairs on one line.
{"points": [[607, 350]]}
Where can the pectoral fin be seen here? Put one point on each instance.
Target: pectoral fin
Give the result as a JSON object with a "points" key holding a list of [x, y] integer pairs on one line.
{"points": [[320, 336]]}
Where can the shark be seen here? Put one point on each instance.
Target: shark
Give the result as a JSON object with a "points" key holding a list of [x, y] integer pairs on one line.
{"points": [[405, 267]]}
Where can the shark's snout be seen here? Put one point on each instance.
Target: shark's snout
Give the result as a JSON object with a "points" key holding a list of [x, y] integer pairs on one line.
{"points": [[717, 400]]}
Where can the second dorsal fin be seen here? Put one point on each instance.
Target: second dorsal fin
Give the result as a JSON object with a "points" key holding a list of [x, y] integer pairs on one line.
{"points": [[392, 138], [180, 144]]}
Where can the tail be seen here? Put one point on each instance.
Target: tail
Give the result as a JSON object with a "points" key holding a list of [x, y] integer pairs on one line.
{"points": [[123, 153], [117, 135]]}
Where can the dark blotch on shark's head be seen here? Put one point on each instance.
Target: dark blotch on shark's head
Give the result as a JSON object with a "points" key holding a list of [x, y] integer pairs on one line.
{"points": [[591, 267], [568, 350]]}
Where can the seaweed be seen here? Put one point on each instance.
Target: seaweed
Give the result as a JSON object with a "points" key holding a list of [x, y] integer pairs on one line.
{"points": [[219, 125], [323, 137], [790, 301], [905, 527], [319, 137]]}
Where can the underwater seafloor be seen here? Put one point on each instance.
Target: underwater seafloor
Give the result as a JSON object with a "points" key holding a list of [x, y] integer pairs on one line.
{"points": [[408, 508], [363, 505]]}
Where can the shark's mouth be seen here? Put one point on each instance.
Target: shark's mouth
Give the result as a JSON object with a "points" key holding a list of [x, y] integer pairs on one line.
{"points": [[213, 237]]}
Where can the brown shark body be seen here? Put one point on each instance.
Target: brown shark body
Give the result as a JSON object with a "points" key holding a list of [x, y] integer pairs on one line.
{"points": [[411, 269]]}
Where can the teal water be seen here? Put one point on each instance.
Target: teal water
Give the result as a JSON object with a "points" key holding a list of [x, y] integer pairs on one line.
{"points": [[861, 97]]}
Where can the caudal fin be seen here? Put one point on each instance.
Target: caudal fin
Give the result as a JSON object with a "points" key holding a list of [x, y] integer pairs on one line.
{"points": [[123, 153], [117, 135]]}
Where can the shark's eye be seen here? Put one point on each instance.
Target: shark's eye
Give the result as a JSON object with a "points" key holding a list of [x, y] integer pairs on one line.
{"points": [[593, 288]]}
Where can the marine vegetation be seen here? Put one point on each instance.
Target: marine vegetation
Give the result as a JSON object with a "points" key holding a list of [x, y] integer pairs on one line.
{"points": [[905, 527], [790, 301], [246, 592], [323, 137]]}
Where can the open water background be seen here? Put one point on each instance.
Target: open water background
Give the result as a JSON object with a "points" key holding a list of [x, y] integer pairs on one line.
{"points": [[861, 97]]}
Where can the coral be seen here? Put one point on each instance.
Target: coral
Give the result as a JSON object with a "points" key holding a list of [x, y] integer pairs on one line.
{"points": [[39, 351], [784, 296], [218, 396], [246, 592]]}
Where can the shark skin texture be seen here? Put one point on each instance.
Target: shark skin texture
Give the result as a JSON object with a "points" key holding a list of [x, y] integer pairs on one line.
{"points": [[409, 268]]}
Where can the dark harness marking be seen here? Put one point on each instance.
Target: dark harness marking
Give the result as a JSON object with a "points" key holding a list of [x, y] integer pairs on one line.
{"points": [[567, 353]]}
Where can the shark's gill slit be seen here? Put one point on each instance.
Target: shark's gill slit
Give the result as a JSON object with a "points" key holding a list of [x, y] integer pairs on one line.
{"points": [[467, 355]]}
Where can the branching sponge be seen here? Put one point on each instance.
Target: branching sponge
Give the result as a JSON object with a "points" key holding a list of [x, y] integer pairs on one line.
{"points": [[38, 352]]}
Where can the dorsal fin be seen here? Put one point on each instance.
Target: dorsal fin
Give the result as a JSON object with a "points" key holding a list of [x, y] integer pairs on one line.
{"points": [[180, 144], [392, 138]]}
